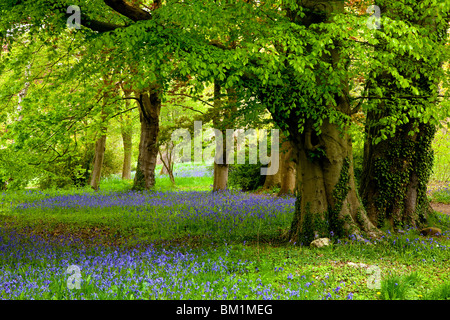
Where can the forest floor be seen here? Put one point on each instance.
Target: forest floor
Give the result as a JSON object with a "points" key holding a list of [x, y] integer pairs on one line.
{"points": [[440, 204], [441, 207]]}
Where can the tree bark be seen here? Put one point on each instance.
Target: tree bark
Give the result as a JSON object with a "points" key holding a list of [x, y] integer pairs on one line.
{"points": [[396, 171], [220, 177], [100, 147], [273, 179], [127, 138], [167, 160], [287, 168], [126, 128], [327, 200], [149, 109], [220, 122]]}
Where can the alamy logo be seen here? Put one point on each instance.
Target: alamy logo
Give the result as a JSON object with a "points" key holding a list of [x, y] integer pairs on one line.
{"points": [[374, 21], [73, 282], [74, 21], [374, 280], [215, 150]]}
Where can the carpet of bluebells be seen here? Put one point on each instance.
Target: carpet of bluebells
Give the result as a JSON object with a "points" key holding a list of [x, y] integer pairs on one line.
{"points": [[224, 215], [36, 267], [32, 267]]}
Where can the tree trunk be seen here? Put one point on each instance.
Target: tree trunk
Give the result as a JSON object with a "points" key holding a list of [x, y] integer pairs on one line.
{"points": [[127, 137], [287, 168], [396, 171], [149, 109], [273, 179], [327, 200], [167, 160], [100, 146], [221, 121], [166, 163], [220, 177], [126, 128]]}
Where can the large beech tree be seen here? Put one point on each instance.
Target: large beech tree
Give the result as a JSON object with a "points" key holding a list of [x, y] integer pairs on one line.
{"points": [[397, 168]]}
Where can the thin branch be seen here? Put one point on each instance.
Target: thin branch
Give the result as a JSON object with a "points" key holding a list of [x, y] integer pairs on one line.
{"points": [[195, 98], [400, 97], [125, 111], [190, 108]]}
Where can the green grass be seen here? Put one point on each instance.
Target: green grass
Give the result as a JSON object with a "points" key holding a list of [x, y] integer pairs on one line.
{"points": [[442, 195], [255, 265]]}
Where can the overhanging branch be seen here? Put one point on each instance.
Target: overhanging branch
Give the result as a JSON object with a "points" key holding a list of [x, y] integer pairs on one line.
{"points": [[127, 10]]}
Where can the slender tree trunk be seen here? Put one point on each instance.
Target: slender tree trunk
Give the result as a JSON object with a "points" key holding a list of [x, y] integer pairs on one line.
{"points": [[221, 169], [23, 93], [127, 136], [100, 146], [99, 154], [167, 160], [287, 168], [150, 106], [126, 128]]}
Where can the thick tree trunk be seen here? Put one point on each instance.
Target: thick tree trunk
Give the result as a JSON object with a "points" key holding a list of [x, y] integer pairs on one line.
{"points": [[100, 146], [220, 177], [150, 106], [395, 175], [396, 171], [327, 199]]}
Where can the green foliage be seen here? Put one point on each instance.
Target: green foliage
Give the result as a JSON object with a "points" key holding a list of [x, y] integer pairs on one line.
{"points": [[442, 195], [396, 287], [393, 172], [441, 147], [246, 177], [441, 292]]}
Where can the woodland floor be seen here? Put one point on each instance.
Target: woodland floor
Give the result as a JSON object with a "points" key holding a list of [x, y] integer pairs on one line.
{"points": [[438, 206], [441, 207]]}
